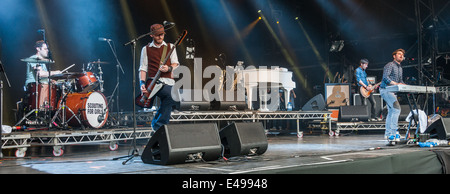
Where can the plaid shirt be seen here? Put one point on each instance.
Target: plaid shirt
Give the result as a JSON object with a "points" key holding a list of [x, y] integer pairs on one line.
{"points": [[392, 72]]}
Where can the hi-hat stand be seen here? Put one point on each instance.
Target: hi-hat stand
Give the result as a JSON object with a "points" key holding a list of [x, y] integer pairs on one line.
{"points": [[37, 108]]}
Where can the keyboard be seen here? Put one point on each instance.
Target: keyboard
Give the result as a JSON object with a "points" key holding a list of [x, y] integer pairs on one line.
{"points": [[411, 89]]}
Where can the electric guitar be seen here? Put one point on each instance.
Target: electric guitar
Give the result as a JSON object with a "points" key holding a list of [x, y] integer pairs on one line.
{"points": [[366, 93], [143, 100]]}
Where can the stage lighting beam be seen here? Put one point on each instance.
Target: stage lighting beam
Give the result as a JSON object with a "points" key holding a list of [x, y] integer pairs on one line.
{"points": [[236, 33], [315, 50], [286, 55]]}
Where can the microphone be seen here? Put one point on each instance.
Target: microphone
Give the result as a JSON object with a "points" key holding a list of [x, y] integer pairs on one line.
{"points": [[104, 39], [167, 25], [41, 30]]}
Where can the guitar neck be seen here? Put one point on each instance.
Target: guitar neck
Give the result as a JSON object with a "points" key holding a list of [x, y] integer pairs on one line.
{"points": [[158, 74]]}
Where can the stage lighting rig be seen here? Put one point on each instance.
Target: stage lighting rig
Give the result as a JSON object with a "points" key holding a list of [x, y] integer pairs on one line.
{"points": [[337, 46]]}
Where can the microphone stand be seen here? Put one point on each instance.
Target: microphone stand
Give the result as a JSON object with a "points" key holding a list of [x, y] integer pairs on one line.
{"points": [[135, 152], [2, 69], [117, 84]]}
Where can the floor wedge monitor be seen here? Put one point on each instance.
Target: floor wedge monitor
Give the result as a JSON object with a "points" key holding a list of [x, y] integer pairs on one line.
{"points": [[241, 139], [182, 143], [439, 129]]}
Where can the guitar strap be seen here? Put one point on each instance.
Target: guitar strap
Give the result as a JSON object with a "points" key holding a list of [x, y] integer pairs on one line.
{"points": [[164, 53], [159, 84]]}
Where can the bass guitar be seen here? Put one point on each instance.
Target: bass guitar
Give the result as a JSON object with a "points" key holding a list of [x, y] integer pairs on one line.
{"points": [[143, 100], [366, 93]]}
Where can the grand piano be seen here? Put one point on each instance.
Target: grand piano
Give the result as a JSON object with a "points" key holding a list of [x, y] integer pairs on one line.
{"points": [[264, 79]]}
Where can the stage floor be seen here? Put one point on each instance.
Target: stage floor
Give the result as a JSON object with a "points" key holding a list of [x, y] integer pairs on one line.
{"points": [[284, 152]]}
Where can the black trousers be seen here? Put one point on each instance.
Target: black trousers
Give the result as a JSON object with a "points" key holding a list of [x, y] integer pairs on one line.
{"points": [[372, 102]]}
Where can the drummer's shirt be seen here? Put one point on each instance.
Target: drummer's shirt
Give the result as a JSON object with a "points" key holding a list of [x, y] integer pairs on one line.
{"points": [[31, 74]]}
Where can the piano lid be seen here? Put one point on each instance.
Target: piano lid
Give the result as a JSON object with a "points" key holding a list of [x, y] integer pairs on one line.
{"points": [[277, 75]]}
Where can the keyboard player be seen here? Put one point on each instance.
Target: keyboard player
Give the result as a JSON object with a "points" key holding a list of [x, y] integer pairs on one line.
{"points": [[392, 75]]}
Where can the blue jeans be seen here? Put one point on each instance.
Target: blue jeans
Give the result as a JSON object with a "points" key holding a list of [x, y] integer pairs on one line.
{"points": [[162, 116], [393, 111]]}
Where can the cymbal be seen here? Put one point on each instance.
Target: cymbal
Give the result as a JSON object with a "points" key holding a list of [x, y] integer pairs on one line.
{"points": [[69, 75], [99, 62], [36, 60]]}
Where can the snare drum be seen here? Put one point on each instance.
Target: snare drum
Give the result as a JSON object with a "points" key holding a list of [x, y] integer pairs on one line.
{"points": [[43, 101], [86, 82], [91, 107]]}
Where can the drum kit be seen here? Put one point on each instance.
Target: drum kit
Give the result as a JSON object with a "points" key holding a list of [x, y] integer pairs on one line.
{"points": [[72, 99]]}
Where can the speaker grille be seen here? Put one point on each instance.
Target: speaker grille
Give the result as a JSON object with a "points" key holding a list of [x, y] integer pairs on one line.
{"points": [[355, 113], [187, 135], [250, 132], [243, 139]]}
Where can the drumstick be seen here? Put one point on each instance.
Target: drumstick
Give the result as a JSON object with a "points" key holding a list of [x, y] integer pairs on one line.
{"points": [[67, 68]]}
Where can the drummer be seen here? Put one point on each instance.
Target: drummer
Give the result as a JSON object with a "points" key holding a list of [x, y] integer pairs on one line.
{"points": [[39, 67], [41, 55]]}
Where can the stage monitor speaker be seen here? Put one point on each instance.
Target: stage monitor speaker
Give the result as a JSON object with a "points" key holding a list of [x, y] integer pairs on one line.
{"points": [[354, 113], [316, 103], [404, 112], [181, 143], [224, 103], [378, 100], [439, 129], [189, 103], [241, 139]]}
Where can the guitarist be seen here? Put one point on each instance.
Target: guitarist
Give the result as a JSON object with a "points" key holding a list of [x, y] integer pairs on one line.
{"points": [[152, 56], [361, 79]]}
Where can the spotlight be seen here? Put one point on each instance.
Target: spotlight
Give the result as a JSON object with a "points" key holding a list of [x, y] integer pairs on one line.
{"points": [[337, 46], [260, 18], [259, 11], [278, 22], [296, 18]]}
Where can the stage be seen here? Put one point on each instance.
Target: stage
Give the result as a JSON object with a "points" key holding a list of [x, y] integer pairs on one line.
{"points": [[286, 154], [292, 62]]}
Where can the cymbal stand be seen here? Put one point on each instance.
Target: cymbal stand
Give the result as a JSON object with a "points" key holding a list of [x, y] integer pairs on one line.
{"points": [[50, 56], [36, 82], [100, 77], [118, 66]]}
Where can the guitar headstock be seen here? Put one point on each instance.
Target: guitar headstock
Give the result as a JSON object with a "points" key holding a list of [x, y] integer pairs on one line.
{"points": [[180, 38]]}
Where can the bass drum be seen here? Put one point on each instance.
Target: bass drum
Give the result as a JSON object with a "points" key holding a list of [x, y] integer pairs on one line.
{"points": [[91, 107]]}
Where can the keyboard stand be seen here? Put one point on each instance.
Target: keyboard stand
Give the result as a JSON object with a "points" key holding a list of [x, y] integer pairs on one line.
{"points": [[414, 119]]}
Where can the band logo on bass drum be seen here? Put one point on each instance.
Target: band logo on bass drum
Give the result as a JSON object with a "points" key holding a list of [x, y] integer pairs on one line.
{"points": [[95, 108]]}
